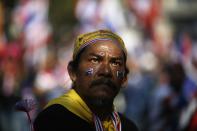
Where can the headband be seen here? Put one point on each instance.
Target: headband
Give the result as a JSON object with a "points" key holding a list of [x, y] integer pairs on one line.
{"points": [[86, 39]]}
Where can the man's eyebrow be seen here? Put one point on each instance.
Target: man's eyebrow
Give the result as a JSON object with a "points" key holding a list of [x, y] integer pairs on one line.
{"points": [[112, 57], [94, 54], [117, 58]]}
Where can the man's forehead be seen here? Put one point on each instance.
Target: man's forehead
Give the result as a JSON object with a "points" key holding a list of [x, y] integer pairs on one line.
{"points": [[102, 48]]}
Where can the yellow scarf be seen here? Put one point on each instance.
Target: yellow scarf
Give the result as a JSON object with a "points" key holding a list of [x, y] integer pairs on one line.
{"points": [[73, 102]]}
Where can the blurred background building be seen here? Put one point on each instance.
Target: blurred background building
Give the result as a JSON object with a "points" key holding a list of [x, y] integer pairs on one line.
{"points": [[36, 39]]}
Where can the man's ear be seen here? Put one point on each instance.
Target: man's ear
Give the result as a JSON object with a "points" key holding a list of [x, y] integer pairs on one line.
{"points": [[71, 71]]}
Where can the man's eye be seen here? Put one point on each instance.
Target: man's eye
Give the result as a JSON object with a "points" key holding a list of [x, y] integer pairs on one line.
{"points": [[116, 63], [94, 60]]}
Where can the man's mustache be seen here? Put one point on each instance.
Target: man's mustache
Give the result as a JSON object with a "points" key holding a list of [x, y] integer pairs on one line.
{"points": [[104, 81]]}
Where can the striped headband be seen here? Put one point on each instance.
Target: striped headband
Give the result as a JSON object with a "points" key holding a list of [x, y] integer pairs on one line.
{"points": [[86, 39]]}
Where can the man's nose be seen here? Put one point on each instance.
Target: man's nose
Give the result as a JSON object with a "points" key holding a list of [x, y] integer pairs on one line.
{"points": [[105, 70]]}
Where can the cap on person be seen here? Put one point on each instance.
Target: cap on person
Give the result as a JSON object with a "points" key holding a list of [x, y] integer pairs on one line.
{"points": [[86, 39]]}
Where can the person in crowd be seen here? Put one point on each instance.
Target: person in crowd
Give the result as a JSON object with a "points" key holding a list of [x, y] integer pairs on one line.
{"points": [[98, 71]]}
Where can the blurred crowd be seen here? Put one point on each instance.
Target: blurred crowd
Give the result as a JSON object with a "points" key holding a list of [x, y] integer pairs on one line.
{"points": [[36, 39]]}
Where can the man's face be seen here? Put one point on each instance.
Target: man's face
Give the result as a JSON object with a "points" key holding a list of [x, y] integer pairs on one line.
{"points": [[100, 73]]}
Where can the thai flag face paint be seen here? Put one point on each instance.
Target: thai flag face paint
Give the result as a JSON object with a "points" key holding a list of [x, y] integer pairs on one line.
{"points": [[89, 71], [120, 74]]}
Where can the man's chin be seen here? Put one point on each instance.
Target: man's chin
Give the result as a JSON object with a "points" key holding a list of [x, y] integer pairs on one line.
{"points": [[100, 102]]}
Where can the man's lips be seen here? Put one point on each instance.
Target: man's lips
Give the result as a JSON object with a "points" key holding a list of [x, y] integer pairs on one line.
{"points": [[105, 84]]}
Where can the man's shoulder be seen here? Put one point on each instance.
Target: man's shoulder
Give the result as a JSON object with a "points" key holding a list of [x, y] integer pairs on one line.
{"points": [[51, 116], [52, 111], [57, 117], [55, 109], [127, 124]]}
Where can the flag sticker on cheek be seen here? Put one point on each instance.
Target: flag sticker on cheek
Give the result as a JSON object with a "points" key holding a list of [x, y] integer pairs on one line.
{"points": [[120, 74], [89, 72]]}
